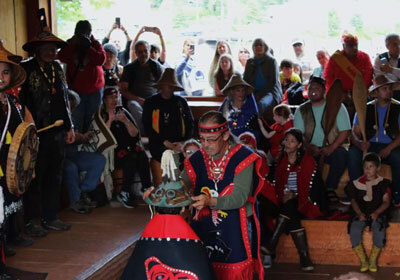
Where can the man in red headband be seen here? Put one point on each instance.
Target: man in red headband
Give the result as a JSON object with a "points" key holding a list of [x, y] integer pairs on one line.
{"points": [[224, 180], [345, 64]]}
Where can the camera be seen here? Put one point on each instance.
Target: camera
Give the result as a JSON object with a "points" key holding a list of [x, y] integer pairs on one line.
{"points": [[383, 60], [84, 41], [118, 109]]}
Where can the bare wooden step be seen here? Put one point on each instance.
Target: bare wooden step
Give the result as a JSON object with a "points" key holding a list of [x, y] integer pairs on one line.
{"points": [[329, 243]]}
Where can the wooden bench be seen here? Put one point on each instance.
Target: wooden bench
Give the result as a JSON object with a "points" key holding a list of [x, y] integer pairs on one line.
{"points": [[385, 172], [329, 243]]}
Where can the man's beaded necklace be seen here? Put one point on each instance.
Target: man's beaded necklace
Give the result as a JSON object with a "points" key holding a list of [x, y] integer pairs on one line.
{"points": [[216, 170], [53, 78]]}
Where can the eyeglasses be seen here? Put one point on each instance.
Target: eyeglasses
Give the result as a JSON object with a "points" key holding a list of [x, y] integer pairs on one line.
{"points": [[210, 140], [243, 52], [189, 152]]}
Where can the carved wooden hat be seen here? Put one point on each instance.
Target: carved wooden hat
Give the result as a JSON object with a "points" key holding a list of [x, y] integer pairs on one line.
{"points": [[168, 78], [18, 75], [43, 37]]}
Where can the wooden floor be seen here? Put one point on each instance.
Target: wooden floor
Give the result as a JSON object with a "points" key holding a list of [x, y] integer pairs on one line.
{"points": [[97, 238], [92, 238], [284, 271]]}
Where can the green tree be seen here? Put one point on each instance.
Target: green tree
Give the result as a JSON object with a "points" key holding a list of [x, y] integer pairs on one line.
{"points": [[68, 11], [333, 23], [155, 4], [357, 23]]}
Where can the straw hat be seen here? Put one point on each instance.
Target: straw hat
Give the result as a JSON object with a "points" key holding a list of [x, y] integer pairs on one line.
{"points": [[236, 80], [380, 81], [18, 73], [43, 37], [168, 78]]}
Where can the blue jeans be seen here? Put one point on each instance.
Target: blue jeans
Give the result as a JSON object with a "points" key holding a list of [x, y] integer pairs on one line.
{"points": [[265, 103], [83, 113], [378, 232], [92, 163], [338, 163], [355, 165]]}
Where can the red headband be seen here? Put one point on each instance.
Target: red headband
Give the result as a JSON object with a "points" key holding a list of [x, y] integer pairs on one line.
{"points": [[213, 129], [349, 38]]}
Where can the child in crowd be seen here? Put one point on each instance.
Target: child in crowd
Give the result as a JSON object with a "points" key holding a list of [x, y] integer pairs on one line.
{"points": [[286, 74], [370, 198], [283, 121], [190, 146]]}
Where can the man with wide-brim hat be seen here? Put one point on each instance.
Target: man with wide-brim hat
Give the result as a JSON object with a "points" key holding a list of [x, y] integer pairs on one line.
{"points": [[45, 94], [12, 114], [380, 81], [167, 120], [45, 36], [382, 132], [240, 107]]}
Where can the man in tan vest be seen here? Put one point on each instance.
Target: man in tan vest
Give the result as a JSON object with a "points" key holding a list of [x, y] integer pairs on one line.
{"points": [[310, 118]]}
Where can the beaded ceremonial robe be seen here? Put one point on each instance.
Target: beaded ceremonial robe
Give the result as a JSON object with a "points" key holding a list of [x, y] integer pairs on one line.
{"points": [[225, 232]]}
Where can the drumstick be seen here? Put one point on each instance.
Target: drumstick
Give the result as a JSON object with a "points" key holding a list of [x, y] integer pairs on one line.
{"points": [[56, 123]]}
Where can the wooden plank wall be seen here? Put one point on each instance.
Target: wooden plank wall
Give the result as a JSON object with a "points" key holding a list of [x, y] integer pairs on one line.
{"points": [[20, 23]]}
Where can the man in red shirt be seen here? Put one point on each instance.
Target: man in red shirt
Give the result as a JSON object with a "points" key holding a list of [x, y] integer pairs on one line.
{"points": [[84, 57], [345, 64]]}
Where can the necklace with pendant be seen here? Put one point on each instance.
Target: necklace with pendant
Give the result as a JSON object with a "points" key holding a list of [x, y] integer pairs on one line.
{"points": [[216, 170], [166, 118], [53, 78]]}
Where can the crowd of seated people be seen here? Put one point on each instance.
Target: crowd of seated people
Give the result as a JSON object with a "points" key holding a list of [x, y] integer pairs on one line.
{"points": [[117, 102]]}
